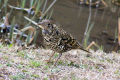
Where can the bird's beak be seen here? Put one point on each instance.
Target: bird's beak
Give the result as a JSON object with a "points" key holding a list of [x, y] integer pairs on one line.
{"points": [[39, 25]]}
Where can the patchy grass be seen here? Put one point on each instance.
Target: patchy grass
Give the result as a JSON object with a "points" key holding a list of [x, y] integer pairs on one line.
{"points": [[35, 63], [30, 64]]}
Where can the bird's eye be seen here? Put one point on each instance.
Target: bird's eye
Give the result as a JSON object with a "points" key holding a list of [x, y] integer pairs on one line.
{"points": [[57, 32], [48, 24]]}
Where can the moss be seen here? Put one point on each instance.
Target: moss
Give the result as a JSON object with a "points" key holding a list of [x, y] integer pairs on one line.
{"points": [[45, 79], [9, 64], [18, 76], [21, 54], [34, 63], [35, 75]]}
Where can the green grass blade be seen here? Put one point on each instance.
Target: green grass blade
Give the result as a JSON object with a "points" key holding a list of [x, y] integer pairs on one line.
{"points": [[23, 3], [0, 3], [44, 6], [39, 4], [48, 9], [5, 5], [31, 3], [12, 29], [51, 13], [116, 34], [28, 39], [35, 38], [35, 2], [88, 35]]}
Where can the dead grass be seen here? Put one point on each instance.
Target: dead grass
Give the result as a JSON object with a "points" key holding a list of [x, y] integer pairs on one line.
{"points": [[30, 64]]}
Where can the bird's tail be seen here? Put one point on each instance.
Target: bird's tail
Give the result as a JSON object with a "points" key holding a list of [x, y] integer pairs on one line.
{"points": [[84, 50]]}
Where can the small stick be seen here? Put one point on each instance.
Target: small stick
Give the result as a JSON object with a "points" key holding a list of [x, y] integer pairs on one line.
{"points": [[91, 44], [17, 8], [6, 22], [105, 4]]}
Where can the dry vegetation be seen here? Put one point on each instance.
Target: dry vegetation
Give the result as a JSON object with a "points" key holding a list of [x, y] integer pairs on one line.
{"points": [[30, 64]]}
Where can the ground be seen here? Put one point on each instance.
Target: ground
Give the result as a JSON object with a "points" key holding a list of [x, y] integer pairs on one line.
{"points": [[30, 64]]}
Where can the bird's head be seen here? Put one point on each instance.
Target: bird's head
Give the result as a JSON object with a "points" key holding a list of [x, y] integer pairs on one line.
{"points": [[47, 27]]}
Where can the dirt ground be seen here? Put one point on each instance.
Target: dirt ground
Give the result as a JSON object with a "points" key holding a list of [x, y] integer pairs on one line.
{"points": [[30, 64]]}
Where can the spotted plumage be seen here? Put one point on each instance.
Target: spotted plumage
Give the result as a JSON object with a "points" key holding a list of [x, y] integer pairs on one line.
{"points": [[57, 39]]}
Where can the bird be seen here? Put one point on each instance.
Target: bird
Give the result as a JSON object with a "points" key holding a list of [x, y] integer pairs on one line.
{"points": [[57, 39]]}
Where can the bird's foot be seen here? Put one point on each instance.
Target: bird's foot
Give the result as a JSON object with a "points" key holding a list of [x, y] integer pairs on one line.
{"points": [[48, 61]]}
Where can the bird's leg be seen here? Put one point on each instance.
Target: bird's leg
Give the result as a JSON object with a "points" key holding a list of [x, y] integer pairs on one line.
{"points": [[116, 48], [91, 44], [60, 54], [50, 57]]}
